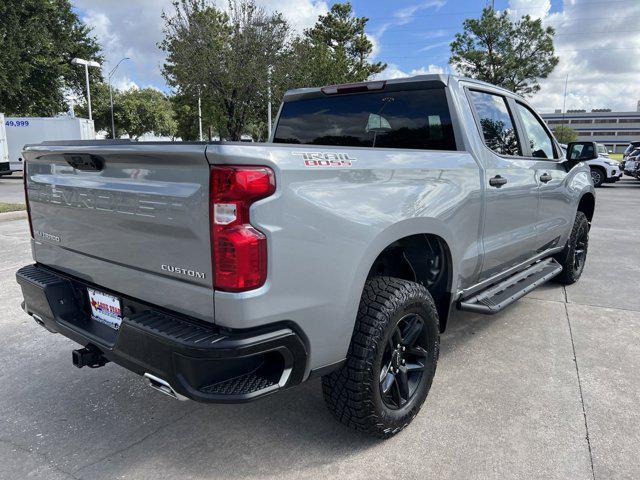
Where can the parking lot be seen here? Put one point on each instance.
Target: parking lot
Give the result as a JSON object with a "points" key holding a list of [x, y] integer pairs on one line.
{"points": [[11, 188], [549, 388]]}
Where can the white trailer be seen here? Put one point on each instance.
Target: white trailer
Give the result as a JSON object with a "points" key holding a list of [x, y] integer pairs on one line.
{"points": [[21, 131], [4, 150]]}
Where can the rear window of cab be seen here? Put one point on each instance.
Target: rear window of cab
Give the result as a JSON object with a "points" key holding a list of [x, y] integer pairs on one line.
{"points": [[414, 119]]}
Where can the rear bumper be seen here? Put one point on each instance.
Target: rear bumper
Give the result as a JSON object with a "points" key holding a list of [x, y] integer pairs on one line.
{"points": [[198, 361]]}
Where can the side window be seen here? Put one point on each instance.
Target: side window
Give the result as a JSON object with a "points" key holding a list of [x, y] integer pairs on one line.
{"points": [[539, 140], [497, 125]]}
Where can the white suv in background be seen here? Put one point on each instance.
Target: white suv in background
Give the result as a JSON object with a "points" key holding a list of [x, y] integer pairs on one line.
{"points": [[603, 168]]}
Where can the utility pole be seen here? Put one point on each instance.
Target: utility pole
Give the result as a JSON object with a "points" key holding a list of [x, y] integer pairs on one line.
{"points": [[113, 70], [564, 101], [269, 102], [199, 115], [87, 64]]}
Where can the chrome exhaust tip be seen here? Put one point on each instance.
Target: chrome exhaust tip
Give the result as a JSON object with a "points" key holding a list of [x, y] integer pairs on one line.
{"points": [[163, 387]]}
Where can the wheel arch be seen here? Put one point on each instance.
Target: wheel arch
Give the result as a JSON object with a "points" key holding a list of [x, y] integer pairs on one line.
{"points": [[412, 234], [587, 205], [424, 258]]}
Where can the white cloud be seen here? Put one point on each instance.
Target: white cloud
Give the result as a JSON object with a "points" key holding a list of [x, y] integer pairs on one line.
{"points": [[434, 34], [533, 8], [301, 14], [133, 29], [597, 46], [128, 29], [125, 83], [393, 71], [431, 46]]}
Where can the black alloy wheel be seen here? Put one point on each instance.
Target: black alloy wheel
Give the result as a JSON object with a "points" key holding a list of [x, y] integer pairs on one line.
{"points": [[403, 361], [580, 252]]}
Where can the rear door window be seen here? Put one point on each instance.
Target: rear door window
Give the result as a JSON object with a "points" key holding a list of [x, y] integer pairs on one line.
{"points": [[539, 140], [496, 123], [416, 119]]}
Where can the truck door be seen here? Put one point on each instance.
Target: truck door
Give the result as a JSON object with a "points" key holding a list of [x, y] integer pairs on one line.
{"points": [[555, 212], [511, 199]]}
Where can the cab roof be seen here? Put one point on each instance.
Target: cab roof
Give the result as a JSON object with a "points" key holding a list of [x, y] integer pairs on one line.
{"points": [[432, 80]]}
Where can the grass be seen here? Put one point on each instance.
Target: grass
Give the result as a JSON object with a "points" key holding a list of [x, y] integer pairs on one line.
{"points": [[615, 156], [11, 207]]}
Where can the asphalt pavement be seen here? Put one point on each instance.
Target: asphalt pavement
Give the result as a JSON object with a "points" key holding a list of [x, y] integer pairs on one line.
{"points": [[549, 388], [11, 188]]}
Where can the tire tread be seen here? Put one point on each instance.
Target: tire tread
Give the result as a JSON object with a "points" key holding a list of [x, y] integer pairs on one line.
{"points": [[348, 391]]}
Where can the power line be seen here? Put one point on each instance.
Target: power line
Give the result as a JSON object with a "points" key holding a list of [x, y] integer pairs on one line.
{"points": [[478, 12], [386, 43], [604, 50]]}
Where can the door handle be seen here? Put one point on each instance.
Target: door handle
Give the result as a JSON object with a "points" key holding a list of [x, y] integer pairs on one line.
{"points": [[545, 177], [497, 181]]}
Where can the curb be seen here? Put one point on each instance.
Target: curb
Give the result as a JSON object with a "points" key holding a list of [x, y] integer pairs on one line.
{"points": [[8, 216]]}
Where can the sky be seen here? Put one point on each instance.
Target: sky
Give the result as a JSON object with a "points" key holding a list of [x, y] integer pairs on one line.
{"points": [[598, 41]]}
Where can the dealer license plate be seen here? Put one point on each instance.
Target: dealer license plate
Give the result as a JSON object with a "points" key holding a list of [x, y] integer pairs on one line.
{"points": [[105, 308]]}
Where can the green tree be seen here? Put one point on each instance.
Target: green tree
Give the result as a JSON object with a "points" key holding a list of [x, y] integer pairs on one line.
{"points": [[186, 115], [513, 55], [336, 49], [224, 58], [100, 107], [146, 110], [38, 39], [136, 111], [565, 134]]}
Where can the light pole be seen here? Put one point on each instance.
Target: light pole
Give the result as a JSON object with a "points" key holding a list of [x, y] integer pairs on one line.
{"points": [[269, 101], [113, 70], [87, 64], [199, 114], [269, 25]]}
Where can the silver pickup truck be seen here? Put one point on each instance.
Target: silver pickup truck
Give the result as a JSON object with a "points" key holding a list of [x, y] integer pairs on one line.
{"points": [[224, 272]]}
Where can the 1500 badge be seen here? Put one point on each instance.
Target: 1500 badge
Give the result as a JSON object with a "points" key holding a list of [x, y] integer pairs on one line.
{"points": [[47, 236], [326, 159]]}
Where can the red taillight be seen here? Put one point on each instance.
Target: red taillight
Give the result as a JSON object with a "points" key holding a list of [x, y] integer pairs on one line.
{"points": [[239, 250], [26, 196]]}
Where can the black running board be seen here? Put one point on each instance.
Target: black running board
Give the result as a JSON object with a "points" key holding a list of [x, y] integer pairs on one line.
{"points": [[500, 295]]}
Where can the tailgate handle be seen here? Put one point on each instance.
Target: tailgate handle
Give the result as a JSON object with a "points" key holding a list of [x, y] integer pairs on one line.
{"points": [[84, 161]]}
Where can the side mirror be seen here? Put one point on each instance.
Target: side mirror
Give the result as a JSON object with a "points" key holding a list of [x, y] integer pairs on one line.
{"points": [[582, 151]]}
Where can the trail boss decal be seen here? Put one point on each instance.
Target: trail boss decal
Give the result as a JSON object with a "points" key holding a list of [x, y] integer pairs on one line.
{"points": [[326, 159]]}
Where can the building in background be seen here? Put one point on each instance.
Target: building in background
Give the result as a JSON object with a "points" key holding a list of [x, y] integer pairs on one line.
{"points": [[613, 129]]}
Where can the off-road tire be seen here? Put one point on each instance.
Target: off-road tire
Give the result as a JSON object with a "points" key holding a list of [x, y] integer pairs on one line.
{"points": [[353, 393], [570, 274]]}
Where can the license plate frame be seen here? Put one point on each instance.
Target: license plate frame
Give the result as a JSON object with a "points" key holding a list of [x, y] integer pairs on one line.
{"points": [[105, 308]]}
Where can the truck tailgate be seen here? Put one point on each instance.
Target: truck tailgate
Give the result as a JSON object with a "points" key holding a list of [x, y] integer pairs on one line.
{"points": [[132, 218]]}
